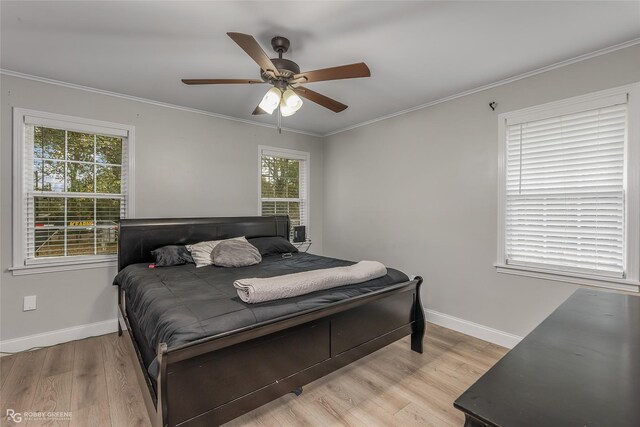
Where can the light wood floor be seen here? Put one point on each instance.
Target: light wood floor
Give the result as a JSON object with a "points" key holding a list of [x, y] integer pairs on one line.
{"points": [[95, 380]]}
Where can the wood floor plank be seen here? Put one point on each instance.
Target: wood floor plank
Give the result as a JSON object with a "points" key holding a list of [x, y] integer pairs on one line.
{"points": [[53, 395], [424, 415], [352, 390], [59, 359], [325, 411], [292, 413], [96, 415], [381, 407], [6, 363], [21, 384], [125, 403], [261, 417], [89, 397], [417, 386]]}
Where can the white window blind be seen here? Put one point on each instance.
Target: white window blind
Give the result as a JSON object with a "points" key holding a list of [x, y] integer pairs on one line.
{"points": [[565, 191], [283, 184]]}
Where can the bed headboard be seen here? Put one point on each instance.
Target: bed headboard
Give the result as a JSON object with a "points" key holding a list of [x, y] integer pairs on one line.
{"points": [[138, 237]]}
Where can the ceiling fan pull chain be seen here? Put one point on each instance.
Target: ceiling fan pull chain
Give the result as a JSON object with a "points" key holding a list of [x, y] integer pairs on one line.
{"points": [[279, 120]]}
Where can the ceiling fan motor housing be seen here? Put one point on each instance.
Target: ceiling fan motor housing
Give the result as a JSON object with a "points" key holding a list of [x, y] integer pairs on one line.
{"points": [[286, 67]]}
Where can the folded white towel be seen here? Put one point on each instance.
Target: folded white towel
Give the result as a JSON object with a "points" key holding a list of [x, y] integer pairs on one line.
{"points": [[254, 290]]}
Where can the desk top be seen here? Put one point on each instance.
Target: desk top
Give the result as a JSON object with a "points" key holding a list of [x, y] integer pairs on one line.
{"points": [[579, 367]]}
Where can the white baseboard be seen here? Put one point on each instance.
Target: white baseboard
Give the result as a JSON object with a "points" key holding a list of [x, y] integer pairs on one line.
{"points": [[59, 336], [482, 332]]}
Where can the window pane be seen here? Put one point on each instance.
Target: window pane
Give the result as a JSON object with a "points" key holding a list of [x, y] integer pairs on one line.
{"points": [[80, 146], [48, 242], [48, 143], [279, 186], [107, 211], [293, 188], [293, 169], [80, 178], [267, 190], [108, 179], [80, 212], [108, 150], [48, 175], [80, 242], [267, 177], [280, 177], [49, 212], [107, 240]]}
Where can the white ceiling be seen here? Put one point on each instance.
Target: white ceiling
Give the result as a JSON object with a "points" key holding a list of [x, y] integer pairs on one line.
{"points": [[418, 52]]}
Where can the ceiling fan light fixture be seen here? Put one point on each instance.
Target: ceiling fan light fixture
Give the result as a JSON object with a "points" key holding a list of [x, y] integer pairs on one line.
{"points": [[271, 100], [291, 100], [287, 111]]}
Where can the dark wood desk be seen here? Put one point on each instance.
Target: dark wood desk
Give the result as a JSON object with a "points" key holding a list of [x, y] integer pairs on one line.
{"points": [[580, 367]]}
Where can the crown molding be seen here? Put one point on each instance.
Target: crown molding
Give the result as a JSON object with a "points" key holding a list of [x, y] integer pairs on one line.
{"points": [[560, 64], [147, 101]]}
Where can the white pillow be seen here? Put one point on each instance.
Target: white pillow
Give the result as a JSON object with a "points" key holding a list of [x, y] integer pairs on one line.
{"points": [[201, 252]]}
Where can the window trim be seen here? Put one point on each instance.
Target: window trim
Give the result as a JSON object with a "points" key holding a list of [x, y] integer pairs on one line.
{"points": [[631, 281], [289, 154], [20, 266]]}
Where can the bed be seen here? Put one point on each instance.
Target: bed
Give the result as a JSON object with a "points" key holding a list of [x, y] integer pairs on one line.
{"points": [[205, 357]]}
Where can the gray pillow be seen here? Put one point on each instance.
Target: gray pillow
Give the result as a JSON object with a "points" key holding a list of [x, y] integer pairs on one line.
{"points": [[235, 253], [201, 252]]}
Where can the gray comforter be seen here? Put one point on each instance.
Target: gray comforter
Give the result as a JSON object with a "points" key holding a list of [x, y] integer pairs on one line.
{"points": [[180, 304]]}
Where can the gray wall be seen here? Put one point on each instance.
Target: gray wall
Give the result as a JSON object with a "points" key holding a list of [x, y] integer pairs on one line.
{"points": [[419, 192], [187, 164]]}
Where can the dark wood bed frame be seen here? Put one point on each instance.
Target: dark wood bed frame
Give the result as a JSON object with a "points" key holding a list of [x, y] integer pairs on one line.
{"points": [[215, 379]]}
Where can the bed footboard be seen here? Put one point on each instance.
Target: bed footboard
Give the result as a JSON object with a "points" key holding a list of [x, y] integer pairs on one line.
{"points": [[212, 381]]}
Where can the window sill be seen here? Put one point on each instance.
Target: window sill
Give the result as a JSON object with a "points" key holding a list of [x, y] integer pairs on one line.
{"points": [[57, 267], [570, 277]]}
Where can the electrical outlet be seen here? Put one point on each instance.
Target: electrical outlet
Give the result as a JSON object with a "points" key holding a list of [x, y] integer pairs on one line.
{"points": [[29, 303]]}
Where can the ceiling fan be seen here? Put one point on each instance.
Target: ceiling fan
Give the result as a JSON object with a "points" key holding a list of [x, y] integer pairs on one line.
{"points": [[285, 77]]}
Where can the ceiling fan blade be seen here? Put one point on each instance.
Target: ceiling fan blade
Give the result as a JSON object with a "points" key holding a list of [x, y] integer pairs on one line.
{"points": [[253, 49], [350, 71], [258, 111], [219, 81], [320, 99]]}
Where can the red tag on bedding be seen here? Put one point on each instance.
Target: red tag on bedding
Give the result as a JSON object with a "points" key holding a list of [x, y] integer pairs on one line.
{"points": [[152, 266]]}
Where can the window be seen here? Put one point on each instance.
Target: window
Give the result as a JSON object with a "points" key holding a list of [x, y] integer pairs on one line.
{"points": [[72, 187], [284, 184], [569, 190]]}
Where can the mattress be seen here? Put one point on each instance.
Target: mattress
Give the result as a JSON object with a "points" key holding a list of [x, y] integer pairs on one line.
{"points": [[181, 304]]}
